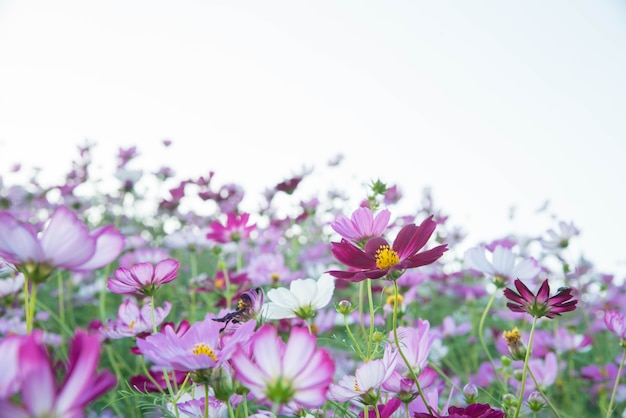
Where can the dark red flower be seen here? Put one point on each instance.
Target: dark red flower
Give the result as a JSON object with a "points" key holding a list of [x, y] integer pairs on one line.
{"points": [[379, 258], [476, 410], [541, 304]]}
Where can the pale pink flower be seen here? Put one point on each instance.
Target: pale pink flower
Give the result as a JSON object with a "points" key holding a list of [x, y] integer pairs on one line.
{"points": [[296, 374], [64, 243], [143, 279], [362, 225]]}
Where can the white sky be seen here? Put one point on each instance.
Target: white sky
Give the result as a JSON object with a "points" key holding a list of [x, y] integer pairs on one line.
{"points": [[492, 104]]}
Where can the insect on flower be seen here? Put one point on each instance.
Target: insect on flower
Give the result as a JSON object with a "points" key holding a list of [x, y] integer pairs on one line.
{"points": [[248, 306]]}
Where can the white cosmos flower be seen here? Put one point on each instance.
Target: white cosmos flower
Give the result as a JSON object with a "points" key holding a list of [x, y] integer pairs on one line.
{"points": [[503, 264], [303, 298]]}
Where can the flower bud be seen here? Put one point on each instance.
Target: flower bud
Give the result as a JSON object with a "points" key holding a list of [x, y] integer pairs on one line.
{"points": [[536, 401], [510, 400], [344, 307], [470, 391], [516, 345]]}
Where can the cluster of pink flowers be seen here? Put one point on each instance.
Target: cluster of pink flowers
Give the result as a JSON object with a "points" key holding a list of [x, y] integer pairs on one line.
{"points": [[323, 310]]}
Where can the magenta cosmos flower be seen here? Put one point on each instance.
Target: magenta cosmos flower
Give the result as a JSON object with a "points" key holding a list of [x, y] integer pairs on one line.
{"points": [[541, 304], [235, 230], [65, 242], [477, 410], [296, 374], [143, 278], [379, 258], [36, 382]]}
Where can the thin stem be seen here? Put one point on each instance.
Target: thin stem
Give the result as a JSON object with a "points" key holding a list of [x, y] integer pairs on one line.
{"points": [[206, 400], [609, 411], [29, 320], [227, 294], [154, 326], [370, 299], [397, 341], [31, 308], [481, 326], [354, 342], [361, 307], [543, 395], [61, 297], [524, 372], [193, 262], [231, 413]]}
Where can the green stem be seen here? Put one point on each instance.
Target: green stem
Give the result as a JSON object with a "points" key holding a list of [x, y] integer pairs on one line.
{"points": [[524, 372], [29, 320], [370, 299], [61, 297], [609, 411], [361, 307], [193, 262], [481, 338], [354, 342], [31, 308], [227, 294], [206, 400], [543, 395], [397, 341], [154, 326], [231, 413]]}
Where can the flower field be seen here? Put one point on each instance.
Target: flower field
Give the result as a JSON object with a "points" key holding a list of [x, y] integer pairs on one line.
{"points": [[146, 295]]}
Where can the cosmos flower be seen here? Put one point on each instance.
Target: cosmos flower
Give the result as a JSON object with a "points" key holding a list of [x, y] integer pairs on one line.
{"points": [[502, 265], [476, 410], [367, 381], [235, 230], [541, 304], [616, 323], [132, 320], [143, 279], [362, 225], [37, 385], [302, 300], [199, 348], [64, 243], [560, 239], [380, 259], [296, 374]]}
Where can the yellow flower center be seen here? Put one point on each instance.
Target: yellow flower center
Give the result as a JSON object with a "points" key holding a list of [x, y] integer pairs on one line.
{"points": [[219, 283], [512, 337], [275, 277], [391, 300], [204, 349], [131, 325], [356, 386], [386, 257]]}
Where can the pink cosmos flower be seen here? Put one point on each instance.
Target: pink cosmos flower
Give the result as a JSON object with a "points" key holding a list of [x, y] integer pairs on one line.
{"points": [[380, 258], [37, 384], [362, 225], [65, 242], [235, 230], [541, 304], [415, 344], [143, 279], [367, 381], [295, 374], [616, 323], [132, 320], [200, 348]]}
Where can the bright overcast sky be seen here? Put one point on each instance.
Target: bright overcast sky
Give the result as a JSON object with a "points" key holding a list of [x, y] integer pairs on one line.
{"points": [[492, 104]]}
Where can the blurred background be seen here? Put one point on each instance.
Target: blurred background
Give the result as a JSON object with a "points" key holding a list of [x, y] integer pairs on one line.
{"points": [[498, 107]]}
